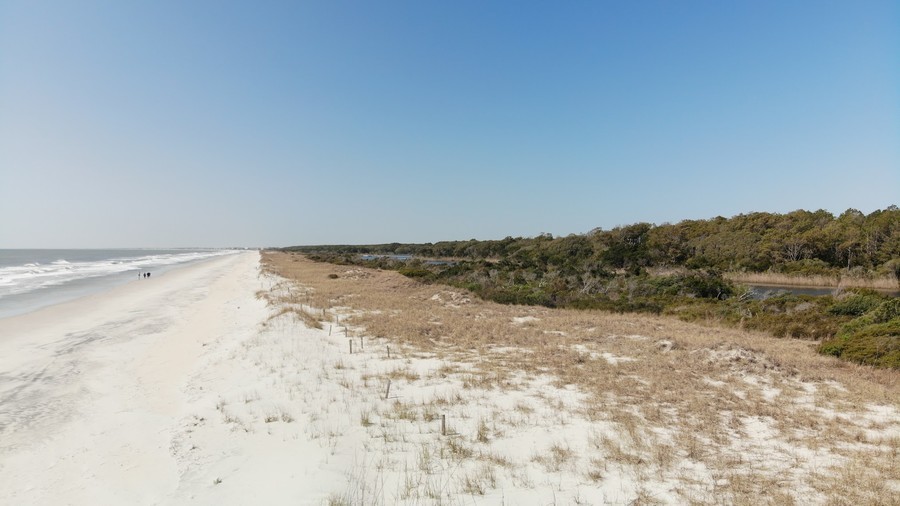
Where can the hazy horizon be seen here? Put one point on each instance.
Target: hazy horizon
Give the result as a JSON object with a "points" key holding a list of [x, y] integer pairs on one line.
{"points": [[169, 125]]}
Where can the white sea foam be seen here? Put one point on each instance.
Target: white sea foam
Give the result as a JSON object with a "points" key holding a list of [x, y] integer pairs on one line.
{"points": [[31, 276]]}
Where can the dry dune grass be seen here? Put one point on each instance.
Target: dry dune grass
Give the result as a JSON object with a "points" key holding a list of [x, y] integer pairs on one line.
{"points": [[768, 419], [836, 281]]}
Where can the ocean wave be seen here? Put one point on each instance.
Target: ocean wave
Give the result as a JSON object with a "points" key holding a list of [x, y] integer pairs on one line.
{"points": [[28, 277]]}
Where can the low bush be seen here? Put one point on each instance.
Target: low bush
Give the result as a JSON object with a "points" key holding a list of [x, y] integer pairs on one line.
{"points": [[795, 316], [857, 304], [872, 339], [808, 267], [419, 273]]}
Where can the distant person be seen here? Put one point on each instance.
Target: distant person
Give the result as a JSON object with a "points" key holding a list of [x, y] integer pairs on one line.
{"points": [[148, 274]]}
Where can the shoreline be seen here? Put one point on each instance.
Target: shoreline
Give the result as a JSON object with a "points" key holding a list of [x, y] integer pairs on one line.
{"points": [[34, 299], [92, 389]]}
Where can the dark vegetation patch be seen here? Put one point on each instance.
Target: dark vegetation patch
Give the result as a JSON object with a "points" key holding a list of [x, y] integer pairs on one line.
{"points": [[873, 338]]}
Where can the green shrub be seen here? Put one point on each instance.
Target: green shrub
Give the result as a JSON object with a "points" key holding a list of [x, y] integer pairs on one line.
{"points": [[890, 268], [801, 317], [834, 347], [872, 339], [888, 310], [704, 285], [808, 267], [708, 286], [856, 305], [419, 273], [802, 325], [877, 344]]}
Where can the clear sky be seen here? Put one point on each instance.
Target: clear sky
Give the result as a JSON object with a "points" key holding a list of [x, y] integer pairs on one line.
{"points": [[173, 123]]}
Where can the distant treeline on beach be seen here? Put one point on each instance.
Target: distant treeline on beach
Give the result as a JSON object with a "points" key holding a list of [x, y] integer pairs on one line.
{"points": [[807, 243]]}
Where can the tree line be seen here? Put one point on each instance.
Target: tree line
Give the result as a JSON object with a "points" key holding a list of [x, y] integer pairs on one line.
{"points": [[800, 242]]}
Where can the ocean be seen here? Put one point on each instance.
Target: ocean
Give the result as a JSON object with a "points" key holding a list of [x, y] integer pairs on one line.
{"points": [[34, 278]]}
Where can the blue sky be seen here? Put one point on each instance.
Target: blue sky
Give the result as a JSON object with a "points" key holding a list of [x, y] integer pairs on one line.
{"points": [[128, 124]]}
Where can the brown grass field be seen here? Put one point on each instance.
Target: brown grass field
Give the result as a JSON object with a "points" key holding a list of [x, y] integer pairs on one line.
{"points": [[885, 283], [769, 420]]}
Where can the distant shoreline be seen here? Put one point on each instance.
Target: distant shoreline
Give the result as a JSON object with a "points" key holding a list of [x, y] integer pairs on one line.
{"points": [[33, 279]]}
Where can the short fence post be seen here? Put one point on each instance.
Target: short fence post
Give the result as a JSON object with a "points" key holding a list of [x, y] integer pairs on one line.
{"points": [[443, 425], [351, 346], [387, 392]]}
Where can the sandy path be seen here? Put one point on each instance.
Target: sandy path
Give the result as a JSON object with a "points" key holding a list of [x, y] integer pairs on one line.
{"points": [[91, 390]]}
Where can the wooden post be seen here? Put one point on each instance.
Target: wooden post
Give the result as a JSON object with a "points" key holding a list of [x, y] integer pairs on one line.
{"points": [[387, 392], [329, 331], [389, 352], [443, 425], [351, 346], [360, 343]]}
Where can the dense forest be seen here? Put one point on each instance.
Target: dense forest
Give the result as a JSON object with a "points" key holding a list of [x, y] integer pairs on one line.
{"points": [[678, 269], [801, 242]]}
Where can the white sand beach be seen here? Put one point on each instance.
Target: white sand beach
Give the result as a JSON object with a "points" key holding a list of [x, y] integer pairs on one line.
{"points": [[94, 391], [188, 389]]}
